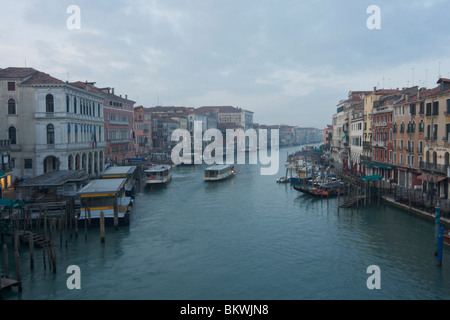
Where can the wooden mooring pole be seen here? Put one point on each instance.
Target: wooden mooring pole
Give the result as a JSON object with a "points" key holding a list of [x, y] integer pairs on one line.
{"points": [[31, 244], [5, 260], [116, 216], [19, 276], [437, 227], [85, 225], [102, 227], [440, 245]]}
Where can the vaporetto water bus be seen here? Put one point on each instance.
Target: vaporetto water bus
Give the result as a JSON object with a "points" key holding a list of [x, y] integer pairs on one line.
{"points": [[218, 172], [105, 195], [158, 174]]}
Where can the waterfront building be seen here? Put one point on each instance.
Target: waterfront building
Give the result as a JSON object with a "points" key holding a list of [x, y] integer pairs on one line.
{"points": [[341, 126], [369, 100], [408, 138], [118, 123], [382, 118], [328, 135], [435, 164], [143, 132], [6, 166], [169, 126], [119, 126], [356, 134], [51, 124]]}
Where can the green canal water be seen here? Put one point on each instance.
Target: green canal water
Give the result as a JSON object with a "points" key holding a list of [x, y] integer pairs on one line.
{"points": [[244, 238]]}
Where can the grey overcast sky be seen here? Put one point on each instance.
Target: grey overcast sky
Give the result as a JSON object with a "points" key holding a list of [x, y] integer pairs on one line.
{"points": [[289, 61]]}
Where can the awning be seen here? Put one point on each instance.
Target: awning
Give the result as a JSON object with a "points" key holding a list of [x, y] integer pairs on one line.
{"points": [[378, 165], [372, 177], [8, 203], [431, 178], [2, 175]]}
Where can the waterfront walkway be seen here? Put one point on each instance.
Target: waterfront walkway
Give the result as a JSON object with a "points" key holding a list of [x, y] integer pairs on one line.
{"points": [[390, 199]]}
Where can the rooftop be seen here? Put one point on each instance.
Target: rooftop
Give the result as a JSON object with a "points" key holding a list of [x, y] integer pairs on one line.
{"points": [[102, 185], [13, 72], [119, 170], [42, 78], [56, 178]]}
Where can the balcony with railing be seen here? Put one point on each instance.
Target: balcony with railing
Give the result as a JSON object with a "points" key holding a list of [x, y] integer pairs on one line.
{"points": [[117, 141], [5, 167], [119, 122], [4, 145], [381, 144], [442, 168]]}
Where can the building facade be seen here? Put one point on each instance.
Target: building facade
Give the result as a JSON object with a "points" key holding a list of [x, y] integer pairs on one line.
{"points": [[51, 124]]}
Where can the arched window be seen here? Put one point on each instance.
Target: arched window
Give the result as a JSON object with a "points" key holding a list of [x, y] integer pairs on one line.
{"points": [[74, 105], [12, 135], [70, 162], [49, 103], [50, 134], [67, 104], [11, 106]]}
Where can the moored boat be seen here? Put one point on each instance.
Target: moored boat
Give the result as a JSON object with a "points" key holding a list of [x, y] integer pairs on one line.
{"points": [[323, 190], [282, 180], [447, 237]]}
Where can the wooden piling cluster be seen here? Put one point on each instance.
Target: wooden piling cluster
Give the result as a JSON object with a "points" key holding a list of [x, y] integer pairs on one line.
{"points": [[35, 230], [359, 192]]}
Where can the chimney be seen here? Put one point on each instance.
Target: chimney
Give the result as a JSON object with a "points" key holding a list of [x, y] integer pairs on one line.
{"points": [[112, 90], [374, 89], [126, 97], [406, 97]]}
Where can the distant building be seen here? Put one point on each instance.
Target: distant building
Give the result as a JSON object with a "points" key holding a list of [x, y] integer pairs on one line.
{"points": [[143, 132], [229, 116], [328, 135]]}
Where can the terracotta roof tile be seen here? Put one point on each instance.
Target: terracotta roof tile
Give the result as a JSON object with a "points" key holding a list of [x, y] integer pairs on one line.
{"points": [[42, 78], [13, 72]]}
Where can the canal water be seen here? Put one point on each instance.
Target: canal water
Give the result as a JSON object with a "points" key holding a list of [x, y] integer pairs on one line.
{"points": [[245, 238]]}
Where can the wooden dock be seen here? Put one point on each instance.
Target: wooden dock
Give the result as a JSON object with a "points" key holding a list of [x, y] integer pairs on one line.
{"points": [[6, 283], [38, 240]]}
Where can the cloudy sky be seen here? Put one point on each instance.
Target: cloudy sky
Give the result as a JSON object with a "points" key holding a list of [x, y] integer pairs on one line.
{"points": [[289, 61]]}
